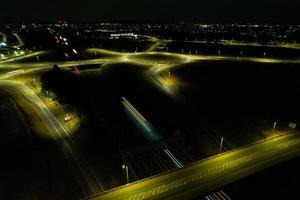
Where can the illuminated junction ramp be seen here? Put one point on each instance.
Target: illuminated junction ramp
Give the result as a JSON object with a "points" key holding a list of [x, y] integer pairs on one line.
{"points": [[210, 174]]}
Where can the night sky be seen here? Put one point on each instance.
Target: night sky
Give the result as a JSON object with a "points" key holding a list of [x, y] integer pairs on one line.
{"points": [[157, 10]]}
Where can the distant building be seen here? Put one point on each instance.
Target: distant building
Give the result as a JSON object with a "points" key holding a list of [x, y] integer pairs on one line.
{"points": [[123, 35]]}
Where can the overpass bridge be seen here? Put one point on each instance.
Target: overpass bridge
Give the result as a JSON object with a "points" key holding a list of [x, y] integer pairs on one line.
{"points": [[210, 174]]}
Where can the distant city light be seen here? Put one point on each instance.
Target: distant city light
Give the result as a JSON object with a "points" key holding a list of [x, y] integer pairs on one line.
{"points": [[3, 44]]}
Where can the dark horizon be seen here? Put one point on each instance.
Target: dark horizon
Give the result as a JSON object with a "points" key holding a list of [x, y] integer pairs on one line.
{"points": [[129, 21], [266, 11]]}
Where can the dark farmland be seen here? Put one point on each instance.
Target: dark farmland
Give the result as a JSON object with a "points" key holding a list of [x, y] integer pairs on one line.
{"points": [[29, 167], [229, 88], [278, 182], [247, 97], [211, 48]]}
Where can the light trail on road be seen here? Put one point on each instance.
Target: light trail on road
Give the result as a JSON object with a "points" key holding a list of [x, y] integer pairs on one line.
{"points": [[151, 135], [145, 127]]}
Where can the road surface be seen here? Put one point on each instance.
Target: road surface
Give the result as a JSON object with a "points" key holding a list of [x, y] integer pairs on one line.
{"points": [[210, 174], [184, 183]]}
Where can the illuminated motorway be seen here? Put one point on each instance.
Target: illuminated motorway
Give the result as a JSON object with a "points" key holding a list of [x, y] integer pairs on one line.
{"points": [[185, 183], [207, 175]]}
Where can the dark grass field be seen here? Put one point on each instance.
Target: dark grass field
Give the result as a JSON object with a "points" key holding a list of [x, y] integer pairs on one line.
{"points": [[98, 54], [28, 168], [233, 50], [153, 57], [123, 45], [278, 182], [234, 100], [237, 100], [242, 88]]}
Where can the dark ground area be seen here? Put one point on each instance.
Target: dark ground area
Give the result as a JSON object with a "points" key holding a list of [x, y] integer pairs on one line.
{"points": [[98, 94], [245, 89], [222, 98], [279, 182], [233, 50], [29, 167], [231, 99]]}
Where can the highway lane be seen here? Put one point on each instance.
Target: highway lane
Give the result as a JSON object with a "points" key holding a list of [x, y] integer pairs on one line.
{"points": [[210, 174], [241, 44], [149, 132], [20, 56], [88, 181], [20, 41], [17, 53], [154, 74], [8, 64], [158, 66], [156, 43], [73, 155], [247, 59]]}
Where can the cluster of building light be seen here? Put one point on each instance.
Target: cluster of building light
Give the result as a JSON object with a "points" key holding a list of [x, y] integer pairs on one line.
{"points": [[3, 44]]}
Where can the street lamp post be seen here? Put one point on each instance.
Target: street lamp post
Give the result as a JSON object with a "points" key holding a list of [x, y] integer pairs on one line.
{"points": [[221, 144], [125, 168], [127, 175], [274, 126]]}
